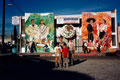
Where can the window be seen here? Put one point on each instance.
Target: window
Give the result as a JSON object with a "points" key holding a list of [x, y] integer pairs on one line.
{"points": [[113, 40], [80, 22], [113, 24], [23, 26]]}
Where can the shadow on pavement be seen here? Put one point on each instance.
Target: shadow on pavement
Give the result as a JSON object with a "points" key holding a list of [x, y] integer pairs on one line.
{"points": [[79, 61], [19, 68]]}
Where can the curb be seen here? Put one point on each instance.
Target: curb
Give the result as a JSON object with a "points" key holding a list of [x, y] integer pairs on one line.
{"points": [[52, 55]]}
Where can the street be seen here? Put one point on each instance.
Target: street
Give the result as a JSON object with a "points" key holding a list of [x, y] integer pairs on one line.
{"points": [[84, 68], [99, 69]]}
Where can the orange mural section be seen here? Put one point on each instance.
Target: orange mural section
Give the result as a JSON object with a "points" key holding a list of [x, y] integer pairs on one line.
{"points": [[96, 31]]}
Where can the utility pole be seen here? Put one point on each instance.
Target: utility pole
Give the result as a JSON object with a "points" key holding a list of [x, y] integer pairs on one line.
{"points": [[3, 24], [15, 35]]}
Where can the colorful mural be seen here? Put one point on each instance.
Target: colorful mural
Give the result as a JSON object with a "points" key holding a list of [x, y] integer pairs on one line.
{"points": [[39, 32], [96, 31]]}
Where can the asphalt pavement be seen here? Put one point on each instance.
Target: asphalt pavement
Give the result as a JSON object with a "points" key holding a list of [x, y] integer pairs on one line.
{"points": [[16, 67]]}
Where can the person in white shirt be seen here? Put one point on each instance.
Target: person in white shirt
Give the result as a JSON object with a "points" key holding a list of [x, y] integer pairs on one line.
{"points": [[102, 29], [58, 51]]}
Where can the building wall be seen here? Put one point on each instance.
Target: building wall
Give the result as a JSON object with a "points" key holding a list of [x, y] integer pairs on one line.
{"points": [[114, 28], [73, 20], [78, 39]]}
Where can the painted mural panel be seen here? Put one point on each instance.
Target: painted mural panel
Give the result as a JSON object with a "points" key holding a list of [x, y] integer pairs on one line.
{"points": [[39, 32], [96, 31]]}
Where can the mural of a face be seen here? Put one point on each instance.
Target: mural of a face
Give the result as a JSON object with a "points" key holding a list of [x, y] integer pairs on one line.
{"points": [[42, 21], [103, 21], [33, 22], [91, 22]]}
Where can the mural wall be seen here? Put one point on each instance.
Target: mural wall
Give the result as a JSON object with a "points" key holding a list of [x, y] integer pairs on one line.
{"points": [[69, 27], [39, 32], [96, 31]]}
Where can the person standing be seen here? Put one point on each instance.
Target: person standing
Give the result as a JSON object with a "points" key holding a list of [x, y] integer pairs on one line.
{"points": [[61, 44], [58, 51], [71, 51], [65, 53], [14, 49]]}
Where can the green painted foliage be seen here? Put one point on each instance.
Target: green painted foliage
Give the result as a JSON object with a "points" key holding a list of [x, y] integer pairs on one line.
{"points": [[49, 22]]}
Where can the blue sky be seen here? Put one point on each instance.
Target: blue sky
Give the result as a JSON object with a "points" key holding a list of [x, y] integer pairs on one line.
{"points": [[58, 7]]}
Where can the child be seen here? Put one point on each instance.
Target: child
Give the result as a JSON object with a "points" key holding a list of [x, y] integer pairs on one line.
{"points": [[65, 54], [58, 51], [72, 50]]}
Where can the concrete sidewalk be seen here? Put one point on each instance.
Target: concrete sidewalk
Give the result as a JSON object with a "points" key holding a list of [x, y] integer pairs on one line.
{"points": [[52, 54], [5, 54]]}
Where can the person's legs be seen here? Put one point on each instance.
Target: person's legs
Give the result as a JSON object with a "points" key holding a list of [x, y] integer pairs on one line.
{"points": [[63, 62], [88, 36], [56, 61], [91, 37], [35, 49], [60, 61], [70, 55], [66, 62], [102, 34], [84, 50], [31, 49], [72, 59]]}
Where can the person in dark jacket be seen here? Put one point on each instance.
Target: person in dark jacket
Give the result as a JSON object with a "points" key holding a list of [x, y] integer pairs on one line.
{"points": [[90, 29]]}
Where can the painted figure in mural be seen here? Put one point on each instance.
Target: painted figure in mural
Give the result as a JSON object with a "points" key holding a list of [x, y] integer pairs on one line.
{"points": [[32, 30], [90, 29], [28, 46], [58, 51], [102, 29], [43, 32], [84, 46], [71, 46], [33, 47]]}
